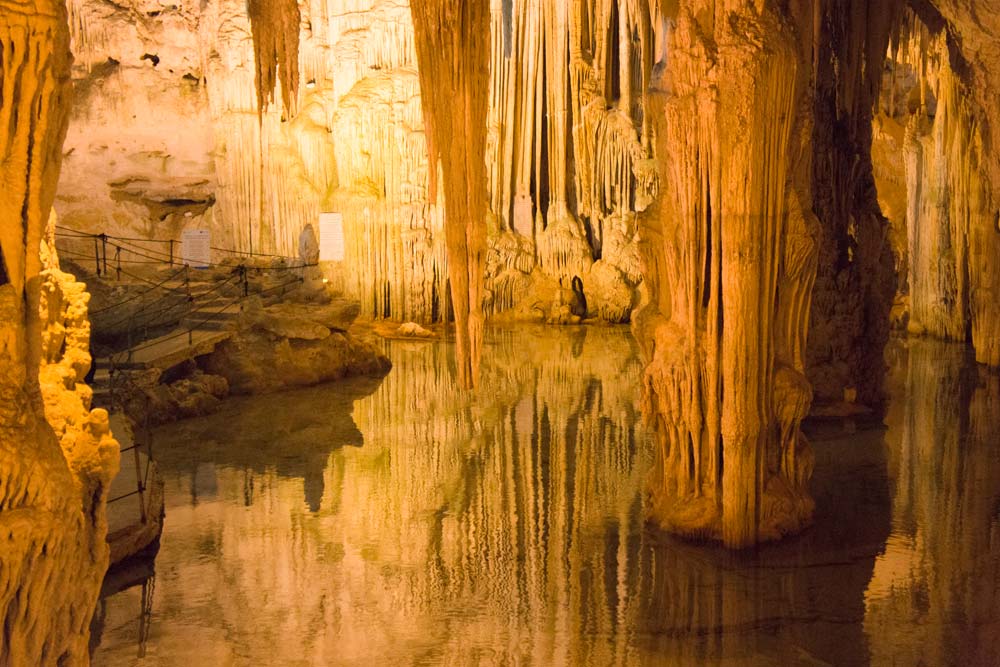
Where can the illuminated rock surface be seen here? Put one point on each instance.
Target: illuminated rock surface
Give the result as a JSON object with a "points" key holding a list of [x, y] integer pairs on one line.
{"points": [[567, 144], [57, 457], [404, 522]]}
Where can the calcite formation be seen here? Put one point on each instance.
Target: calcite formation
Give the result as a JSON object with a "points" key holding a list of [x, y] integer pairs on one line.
{"points": [[730, 257], [567, 144], [56, 456], [717, 151], [452, 49], [763, 139], [936, 163]]}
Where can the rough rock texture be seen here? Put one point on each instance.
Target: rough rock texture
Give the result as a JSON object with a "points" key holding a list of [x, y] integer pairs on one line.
{"points": [[56, 456], [152, 397], [855, 281], [729, 257], [138, 155], [293, 346]]}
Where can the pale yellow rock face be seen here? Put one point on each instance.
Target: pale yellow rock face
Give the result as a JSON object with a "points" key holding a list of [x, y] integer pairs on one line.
{"points": [[57, 456], [293, 345], [567, 146]]}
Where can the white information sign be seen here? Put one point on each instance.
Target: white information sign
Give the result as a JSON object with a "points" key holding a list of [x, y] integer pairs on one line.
{"points": [[196, 248], [331, 237]]}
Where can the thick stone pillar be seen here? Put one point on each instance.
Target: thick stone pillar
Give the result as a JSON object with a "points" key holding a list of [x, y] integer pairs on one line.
{"points": [[729, 261]]}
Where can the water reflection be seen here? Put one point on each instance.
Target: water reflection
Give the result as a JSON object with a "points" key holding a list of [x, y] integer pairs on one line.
{"points": [[934, 597], [507, 528]]}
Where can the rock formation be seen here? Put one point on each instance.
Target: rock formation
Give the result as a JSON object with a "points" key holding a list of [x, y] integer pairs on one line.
{"points": [[451, 41], [936, 164], [730, 256], [567, 144], [719, 151], [56, 456], [762, 119]]}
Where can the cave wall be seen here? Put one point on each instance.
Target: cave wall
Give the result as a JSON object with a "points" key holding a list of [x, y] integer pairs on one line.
{"points": [[934, 155], [856, 281], [57, 457], [137, 160], [568, 145]]}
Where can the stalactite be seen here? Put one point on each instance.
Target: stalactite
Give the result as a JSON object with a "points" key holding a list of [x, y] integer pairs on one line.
{"points": [[953, 274], [567, 159], [452, 40], [275, 28]]}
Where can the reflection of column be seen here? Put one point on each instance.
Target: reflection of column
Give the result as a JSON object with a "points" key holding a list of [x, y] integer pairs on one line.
{"points": [[540, 517], [934, 593]]}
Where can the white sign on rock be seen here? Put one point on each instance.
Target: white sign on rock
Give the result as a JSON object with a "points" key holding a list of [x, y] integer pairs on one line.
{"points": [[331, 237], [196, 248]]}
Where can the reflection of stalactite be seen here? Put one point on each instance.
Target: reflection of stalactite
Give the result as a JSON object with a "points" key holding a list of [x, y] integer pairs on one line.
{"points": [[531, 494], [942, 566], [505, 527]]}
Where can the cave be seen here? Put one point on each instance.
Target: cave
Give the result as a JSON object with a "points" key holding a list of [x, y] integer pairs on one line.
{"points": [[509, 332]]}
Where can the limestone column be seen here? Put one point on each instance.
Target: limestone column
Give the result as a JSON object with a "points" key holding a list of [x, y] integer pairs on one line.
{"points": [[715, 325]]}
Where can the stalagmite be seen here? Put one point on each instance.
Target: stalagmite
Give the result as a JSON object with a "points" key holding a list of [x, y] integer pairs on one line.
{"points": [[452, 40], [56, 456]]}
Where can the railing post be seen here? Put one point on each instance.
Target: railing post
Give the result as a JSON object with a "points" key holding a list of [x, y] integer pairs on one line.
{"points": [[118, 262], [104, 248], [140, 487], [97, 257]]}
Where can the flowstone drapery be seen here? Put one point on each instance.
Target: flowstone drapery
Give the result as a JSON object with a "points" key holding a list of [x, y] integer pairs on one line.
{"points": [[729, 260], [934, 161]]}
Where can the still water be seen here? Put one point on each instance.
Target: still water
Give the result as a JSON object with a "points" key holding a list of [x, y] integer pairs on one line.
{"points": [[403, 522]]}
